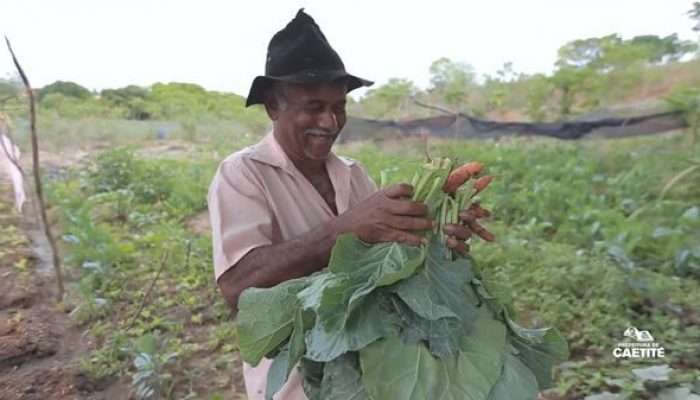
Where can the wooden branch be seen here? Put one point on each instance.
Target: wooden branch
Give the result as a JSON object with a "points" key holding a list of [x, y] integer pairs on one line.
{"points": [[37, 173], [150, 288], [446, 111]]}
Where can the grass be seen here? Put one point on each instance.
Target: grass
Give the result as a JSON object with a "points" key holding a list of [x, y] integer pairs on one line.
{"points": [[585, 243]]}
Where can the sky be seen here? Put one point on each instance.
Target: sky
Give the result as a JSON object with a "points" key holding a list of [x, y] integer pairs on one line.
{"points": [[221, 45]]}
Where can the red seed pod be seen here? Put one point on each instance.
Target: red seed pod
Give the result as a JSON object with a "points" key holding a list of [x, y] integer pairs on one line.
{"points": [[461, 175], [481, 231], [482, 183], [478, 211]]}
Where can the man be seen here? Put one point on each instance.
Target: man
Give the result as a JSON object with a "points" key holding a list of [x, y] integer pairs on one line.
{"points": [[277, 207]]}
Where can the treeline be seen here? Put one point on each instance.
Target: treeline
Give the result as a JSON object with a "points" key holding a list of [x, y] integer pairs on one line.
{"points": [[588, 73], [161, 101]]}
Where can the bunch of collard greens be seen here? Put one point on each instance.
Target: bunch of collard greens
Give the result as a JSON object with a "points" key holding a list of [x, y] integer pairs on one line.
{"points": [[391, 322]]}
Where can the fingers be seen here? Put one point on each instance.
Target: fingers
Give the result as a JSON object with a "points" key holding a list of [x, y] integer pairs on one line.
{"points": [[460, 232], [398, 191], [409, 238], [405, 207], [409, 223], [397, 203], [399, 236], [391, 217], [478, 211], [457, 245], [468, 216], [481, 231], [458, 235]]}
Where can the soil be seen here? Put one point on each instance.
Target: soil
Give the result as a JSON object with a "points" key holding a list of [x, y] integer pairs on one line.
{"points": [[37, 342], [199, 224], [39, 346]]}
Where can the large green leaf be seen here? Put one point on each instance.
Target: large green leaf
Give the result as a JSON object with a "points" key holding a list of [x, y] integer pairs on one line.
{"points": [[433, 305], [423, 298], [517, 382], [485, 345], [310, 297], [442, 335], [446, 280], [347, 316], [334, 307], [342, 379], [541, 354], [436, 290], [529, 334], [277, 374], [367, 323], [392, 369], [493, 296], [303, 321], [266, 317], [390, 261], [290, 354], [312, 376], [359, 269]]}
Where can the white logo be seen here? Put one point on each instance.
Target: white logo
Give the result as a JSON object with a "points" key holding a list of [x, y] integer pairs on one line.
{"points": [[640, 336], [642, 346]]}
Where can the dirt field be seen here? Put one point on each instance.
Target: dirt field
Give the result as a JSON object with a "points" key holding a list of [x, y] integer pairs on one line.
{"points": [[37, 343], [39, 346]]}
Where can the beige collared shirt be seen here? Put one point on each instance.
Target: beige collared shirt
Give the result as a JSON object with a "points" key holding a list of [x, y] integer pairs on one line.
{"points": [[258, 198]]}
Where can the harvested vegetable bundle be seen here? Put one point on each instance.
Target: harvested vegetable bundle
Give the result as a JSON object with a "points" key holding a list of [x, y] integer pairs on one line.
{"points": [[391, 322]]}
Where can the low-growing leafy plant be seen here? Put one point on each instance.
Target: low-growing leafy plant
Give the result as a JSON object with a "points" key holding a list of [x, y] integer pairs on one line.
{"points": [[150, 360], [559, 208]]}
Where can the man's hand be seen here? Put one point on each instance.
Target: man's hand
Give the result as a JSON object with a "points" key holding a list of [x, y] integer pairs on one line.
{"points": [[460, 233], [387, 216]]}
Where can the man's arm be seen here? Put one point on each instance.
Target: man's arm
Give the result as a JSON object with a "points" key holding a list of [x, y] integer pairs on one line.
{"points": [[383, 217], [270, 265]]}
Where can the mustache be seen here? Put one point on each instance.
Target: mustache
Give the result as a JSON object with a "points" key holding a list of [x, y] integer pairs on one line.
{"points": [[321, 132]]}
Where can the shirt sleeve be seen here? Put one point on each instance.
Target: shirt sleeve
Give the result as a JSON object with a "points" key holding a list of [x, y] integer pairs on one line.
{"points": [[241, 219]]}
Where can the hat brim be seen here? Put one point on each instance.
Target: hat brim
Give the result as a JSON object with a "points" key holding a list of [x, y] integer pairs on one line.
{"points": [[262, 83]]}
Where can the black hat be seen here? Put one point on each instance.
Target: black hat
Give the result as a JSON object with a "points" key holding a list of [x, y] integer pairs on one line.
{"points": [[300, 53]]}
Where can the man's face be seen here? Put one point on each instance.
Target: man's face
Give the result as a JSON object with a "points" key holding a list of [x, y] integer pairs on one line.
{"points": [[308, 120]]}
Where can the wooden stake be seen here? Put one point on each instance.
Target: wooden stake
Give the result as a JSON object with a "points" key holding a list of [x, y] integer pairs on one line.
{"points": [[37, 173], [148, 291]]}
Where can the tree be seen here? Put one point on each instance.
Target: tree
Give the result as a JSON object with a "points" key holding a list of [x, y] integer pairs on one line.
{"points": [[540, 89], [133, 99], [230, 106], [589, 68], [611, 52], [496, 88], [67, 89], [9, 89], [578, 69], [71, 107], [694, 14], [572, 83], [451, 80], [657, 50], [389, 99], [182, 99], [589, 52]]}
